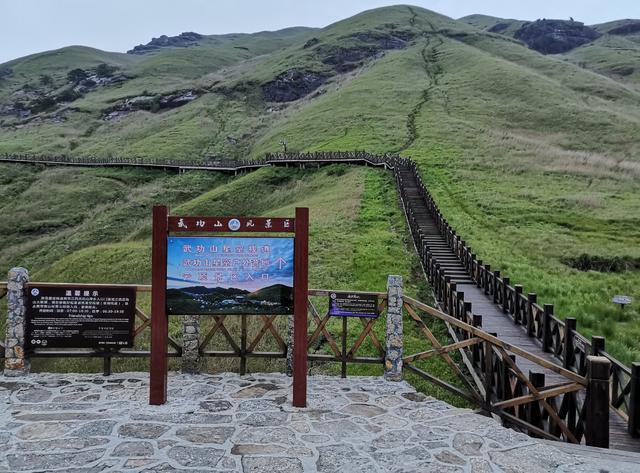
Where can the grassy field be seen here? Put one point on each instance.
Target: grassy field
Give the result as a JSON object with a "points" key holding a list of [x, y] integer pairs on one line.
{"points": [[534, 159]]}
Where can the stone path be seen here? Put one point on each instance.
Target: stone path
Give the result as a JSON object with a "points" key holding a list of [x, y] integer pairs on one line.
{"points": [[228, 423]]}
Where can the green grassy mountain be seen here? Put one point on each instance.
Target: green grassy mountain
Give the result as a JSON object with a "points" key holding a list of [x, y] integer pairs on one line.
{"points": [[534, 158]]}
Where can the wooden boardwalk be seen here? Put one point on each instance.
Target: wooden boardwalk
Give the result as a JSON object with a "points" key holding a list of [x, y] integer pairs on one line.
{"points": [[494, 320], [416, 202]]}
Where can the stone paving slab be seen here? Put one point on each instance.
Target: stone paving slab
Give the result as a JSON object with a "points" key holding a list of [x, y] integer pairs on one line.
{"points": [[229, 423]]}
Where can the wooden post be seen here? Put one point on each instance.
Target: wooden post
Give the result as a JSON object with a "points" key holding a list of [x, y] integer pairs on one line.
{"points": [[243, 344], [535, 416], [634, 401], [301, 289], [531, 299], [475, 352], [597, 400], [517, 315], [496, 276], [569, 328], [479, 275], [106, 363], [505, 294], [597, 345], [546, 327], [485, 282], [488, 371], [343, 371], [159, 320]]}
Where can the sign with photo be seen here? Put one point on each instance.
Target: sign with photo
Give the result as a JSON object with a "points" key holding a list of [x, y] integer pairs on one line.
{"points": [[230, 275], [80, 317], [353, 304]]}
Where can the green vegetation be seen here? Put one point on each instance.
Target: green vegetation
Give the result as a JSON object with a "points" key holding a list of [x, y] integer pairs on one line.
{"points": [[534, 159]]}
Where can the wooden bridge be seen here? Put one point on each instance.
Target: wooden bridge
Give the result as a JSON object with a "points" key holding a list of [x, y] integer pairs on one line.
{"points": [[532, 368]]}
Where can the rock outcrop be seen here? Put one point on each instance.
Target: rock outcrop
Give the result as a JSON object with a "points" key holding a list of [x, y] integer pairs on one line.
{"points": [[150, 103], [555, 36], [183, 40], [292, 85]]}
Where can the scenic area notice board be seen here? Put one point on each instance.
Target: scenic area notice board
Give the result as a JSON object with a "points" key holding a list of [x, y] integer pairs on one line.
{"points": [[353, 304], [68, 316], [230, 275]]}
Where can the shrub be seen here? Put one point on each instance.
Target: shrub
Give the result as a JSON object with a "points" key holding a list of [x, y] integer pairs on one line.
{"points": [[105, 70], [76, 75], [46, 79], [603, 264]]}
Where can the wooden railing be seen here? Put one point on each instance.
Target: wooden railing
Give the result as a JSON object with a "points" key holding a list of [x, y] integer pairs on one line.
{"points": [[490, 378], [556, 336], [572, 410], [244, 347]]}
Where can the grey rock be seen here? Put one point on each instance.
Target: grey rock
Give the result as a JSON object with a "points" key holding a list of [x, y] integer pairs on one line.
{"points": [[95, 429], [531, 459], [66, 443], [194, 434], [341, 430], [391, 440], [196, 456], [261, 419], [43, 430], [142, 431], [266, 435], [259, 405], [408, 456], [257, 390], [468, 444], [342, 458], [363, 410], [253, 449], [133, 449], [184, 418], [446, 456], [52, 461], [271, 465], [216, 405], [33, 394]]}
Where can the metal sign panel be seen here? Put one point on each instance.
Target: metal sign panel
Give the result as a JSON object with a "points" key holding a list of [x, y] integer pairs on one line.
{"points": [[622, 300], [229, 275], [353, 304], [68, 316]]}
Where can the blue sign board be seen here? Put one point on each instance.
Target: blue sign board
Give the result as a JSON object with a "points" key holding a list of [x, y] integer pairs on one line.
{"points": [[353, 304], [229, 275]]}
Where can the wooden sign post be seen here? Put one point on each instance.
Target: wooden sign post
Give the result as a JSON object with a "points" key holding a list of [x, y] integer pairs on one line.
{"points": [[164, 225]]}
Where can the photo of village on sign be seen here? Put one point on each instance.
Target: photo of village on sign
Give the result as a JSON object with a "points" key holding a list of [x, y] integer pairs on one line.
{"points": [[229, 275]]}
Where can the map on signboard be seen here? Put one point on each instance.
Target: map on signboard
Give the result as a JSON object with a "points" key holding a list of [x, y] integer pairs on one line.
{"points": [[229, 275]]}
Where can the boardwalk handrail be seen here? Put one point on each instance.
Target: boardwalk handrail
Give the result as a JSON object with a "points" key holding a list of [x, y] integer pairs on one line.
{"points": [[556, 336]]}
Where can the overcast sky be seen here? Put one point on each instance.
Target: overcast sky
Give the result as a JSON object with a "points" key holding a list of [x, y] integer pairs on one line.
{"points": [[29, 26]]}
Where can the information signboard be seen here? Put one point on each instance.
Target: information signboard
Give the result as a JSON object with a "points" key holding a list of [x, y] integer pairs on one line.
{"points": [[230, 275], [353, 304], [80, 317]]}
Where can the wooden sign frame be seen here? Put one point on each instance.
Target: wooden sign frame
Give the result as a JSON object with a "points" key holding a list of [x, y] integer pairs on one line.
{"points": [[163, 225]]}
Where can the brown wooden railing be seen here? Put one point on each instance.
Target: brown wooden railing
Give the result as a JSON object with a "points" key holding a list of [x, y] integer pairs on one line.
{"points": [[556, 336]]}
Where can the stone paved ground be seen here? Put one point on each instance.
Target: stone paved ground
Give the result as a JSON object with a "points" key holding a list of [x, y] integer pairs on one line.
{"points": [[90, 423]]}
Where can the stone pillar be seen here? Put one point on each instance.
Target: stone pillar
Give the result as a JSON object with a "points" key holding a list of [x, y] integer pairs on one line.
{"points": [[290, 345], [15, 362], [190, 343], [393, 338]]}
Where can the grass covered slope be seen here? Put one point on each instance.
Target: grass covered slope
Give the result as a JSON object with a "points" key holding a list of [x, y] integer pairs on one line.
{"points": [[535, 159]]}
